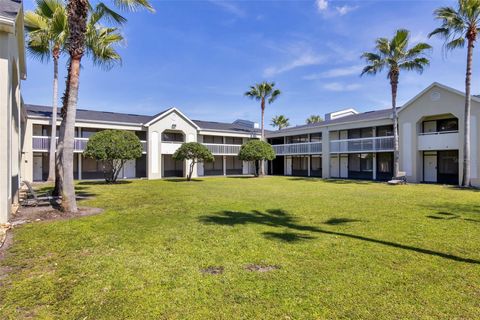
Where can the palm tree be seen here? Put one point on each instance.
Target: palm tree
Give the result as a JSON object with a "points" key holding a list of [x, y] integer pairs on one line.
{"points": [[395, 56], [459, 26], [98, 43], [314, 119], [280, 121], [47, 33], [263, 92]]}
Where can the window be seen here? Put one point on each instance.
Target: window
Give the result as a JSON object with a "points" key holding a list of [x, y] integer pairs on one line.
{"points": [[142, 135], [385, 131], [447, 125], [316, 137], [168, 136], [316, 166], [384, 162], [215, 167], [360, 133], [448, 162], [360, 162], [88, 132], [233, 140], [274, 141], [297, 139], [213, 139]]}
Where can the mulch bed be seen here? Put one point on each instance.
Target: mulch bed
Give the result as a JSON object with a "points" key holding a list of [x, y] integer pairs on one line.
{"points": [[212, 270], [261, 268]]}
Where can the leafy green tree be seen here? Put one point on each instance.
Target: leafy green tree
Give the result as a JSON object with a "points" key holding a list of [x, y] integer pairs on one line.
{"points": [[280, 122], [77, 44], [395, 56], [113, 148], [460, 26], [195, 152], [263, 92], [257, 151], [313, 119]]}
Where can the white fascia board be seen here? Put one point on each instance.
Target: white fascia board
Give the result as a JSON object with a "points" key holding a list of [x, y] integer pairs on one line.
{"points": [[227, 133], [293, 131], [90, 123], [7, 25]]}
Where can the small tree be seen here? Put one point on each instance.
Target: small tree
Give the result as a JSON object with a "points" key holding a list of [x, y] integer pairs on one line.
{"points": [[256, 150], [113, 148], [313, 119], [195, 152]]}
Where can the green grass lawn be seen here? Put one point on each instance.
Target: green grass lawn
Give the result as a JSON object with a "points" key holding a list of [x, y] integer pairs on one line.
{"points": [[344, 249]]}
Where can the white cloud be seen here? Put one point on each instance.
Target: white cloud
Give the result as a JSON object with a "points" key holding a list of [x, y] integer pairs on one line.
{"points": [[335, 73], [419, 37], [305, 59], [343, 10], [322, 5], [339, 87], [229, 7]]}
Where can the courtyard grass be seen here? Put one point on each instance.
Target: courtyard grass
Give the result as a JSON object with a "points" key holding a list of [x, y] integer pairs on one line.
{"points": [[339, 249]]}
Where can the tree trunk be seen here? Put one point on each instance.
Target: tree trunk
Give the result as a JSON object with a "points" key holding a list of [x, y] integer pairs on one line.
{"points": [[466, 133], [53, 135], [396, 158], [69, 203], [262, 166], [190, 171]]}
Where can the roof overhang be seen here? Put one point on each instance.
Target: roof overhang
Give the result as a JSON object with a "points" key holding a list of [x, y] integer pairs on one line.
{"points": [[166, 113]]}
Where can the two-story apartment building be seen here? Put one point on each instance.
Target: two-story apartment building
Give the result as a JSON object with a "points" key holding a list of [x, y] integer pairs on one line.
{"points": [[354, 145], [161, 135], [348, 144]]}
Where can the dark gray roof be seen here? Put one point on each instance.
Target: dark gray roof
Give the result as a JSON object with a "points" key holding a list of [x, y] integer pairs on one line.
{"points": [[369, 115], [82, 114], [92, 115], [222, 126], [10, 8]]}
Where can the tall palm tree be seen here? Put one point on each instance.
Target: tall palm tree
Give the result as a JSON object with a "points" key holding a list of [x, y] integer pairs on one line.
{"points": [[47, 32], [263, 92], [77, 13], [395, 56], [313, 119], [280, 122], [460, 25]]}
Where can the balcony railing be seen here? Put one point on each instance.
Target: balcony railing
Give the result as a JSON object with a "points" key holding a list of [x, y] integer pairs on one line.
{"points": [[444, 140], [223, 149], [42, 144], [297, 148], [374, 144]]}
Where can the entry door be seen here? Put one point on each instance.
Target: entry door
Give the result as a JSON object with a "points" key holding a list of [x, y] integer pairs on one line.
{"points": [[37, 169], [334, 173], [344, 166], [129, 169], [288, 169], [430, 167]]}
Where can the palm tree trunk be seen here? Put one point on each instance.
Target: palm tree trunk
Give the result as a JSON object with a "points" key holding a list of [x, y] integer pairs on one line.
{"points": [[53, 135], [396, 158], [466, 135], [262, 163], [69, 203]]}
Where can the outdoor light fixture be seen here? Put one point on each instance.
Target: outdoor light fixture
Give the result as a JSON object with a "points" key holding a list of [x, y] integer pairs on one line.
{"points": [[174, 125]]}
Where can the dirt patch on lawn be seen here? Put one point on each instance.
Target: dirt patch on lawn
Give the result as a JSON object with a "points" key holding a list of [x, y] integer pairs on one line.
{"points": [[261, 268], [212, 270]]}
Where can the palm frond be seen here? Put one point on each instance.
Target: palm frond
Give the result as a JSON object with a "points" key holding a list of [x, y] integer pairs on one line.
{"points": [[134, 5]]}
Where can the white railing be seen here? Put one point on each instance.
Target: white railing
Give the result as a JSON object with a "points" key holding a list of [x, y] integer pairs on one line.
{"points": [[437, 133], [42, 144], [224, 149], [297, 148], [374, 144]]}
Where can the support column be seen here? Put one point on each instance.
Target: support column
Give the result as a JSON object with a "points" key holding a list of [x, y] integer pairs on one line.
{"points": [[79, 166], [224, 165], [374, 163], [325, 153], [309, 164]]}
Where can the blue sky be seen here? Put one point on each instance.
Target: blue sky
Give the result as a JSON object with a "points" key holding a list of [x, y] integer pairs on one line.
{"points": [[201, 56]]}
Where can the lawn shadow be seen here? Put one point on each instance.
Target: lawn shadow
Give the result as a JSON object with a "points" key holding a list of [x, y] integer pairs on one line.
{"points": [[182, 180], [449, 211], [281, 218], [348, 181], [308, 179], [102, 182]]}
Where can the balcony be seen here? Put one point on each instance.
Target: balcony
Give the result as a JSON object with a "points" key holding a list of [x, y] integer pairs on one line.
{"points": [[223, 149], [42, 144], [446, 140], [374, 144], [298, 148]]}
